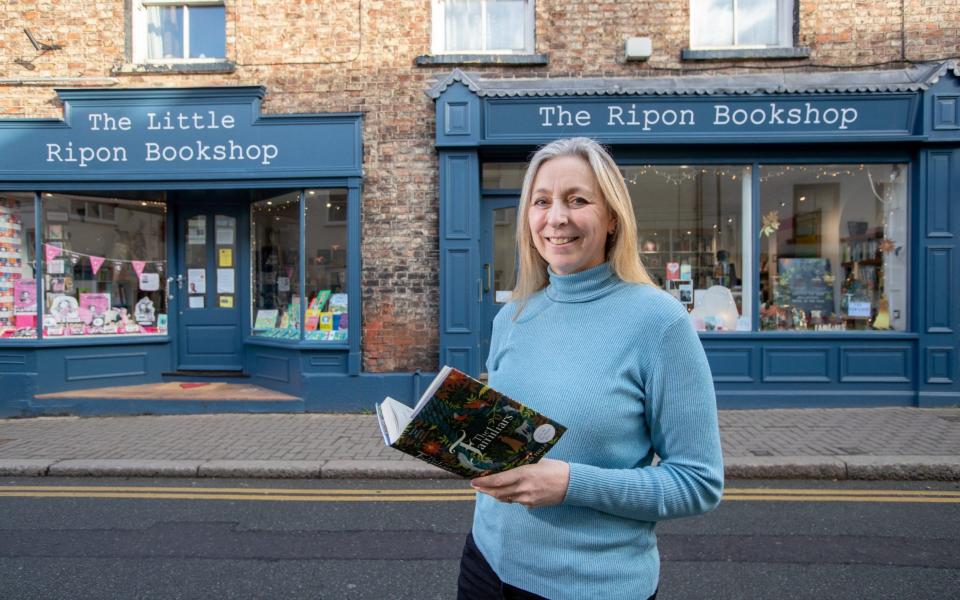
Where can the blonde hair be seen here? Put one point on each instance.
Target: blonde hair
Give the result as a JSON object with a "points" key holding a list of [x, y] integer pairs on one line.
{"points": [[622, 251]]}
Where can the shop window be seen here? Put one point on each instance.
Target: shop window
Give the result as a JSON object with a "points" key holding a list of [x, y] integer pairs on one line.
{"points": [[503, 176], [327, 316], [18, 283], [275, 227], [833, 247], [103, 265], [177, 31], [483, 26], [717, 24], [692, 241]]}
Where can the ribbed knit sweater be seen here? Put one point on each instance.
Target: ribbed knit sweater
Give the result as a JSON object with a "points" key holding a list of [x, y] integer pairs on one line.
{"points": [[621, 366]]}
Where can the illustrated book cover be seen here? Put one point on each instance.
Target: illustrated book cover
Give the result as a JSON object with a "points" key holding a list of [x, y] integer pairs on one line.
{"points": [[466, 427]]}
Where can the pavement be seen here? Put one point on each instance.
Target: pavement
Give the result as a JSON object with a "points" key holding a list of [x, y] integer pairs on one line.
{"points": [[869, 443]]}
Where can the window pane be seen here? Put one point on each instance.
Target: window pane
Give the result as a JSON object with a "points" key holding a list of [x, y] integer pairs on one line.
{"points": [[690, 230], [164, 32], [756, 22], [195, 261], [503, 176], [462, 27], [275, 227], [504, 253], [326, 224], [225, 237], [833, 247], [712, 22], [104, 264], [208, 38], [18, 286], [505, 24]]}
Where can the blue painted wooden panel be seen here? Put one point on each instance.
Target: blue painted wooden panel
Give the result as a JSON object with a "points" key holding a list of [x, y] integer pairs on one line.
{"points": [[876, 364], [11, 362], [456, 266], [213, 339], [327, 362], [940, 276], [939, 196], [946, 111], [731, 365], [459, 358], [458, 117], [269, 366], [800, 365], [102, 366], [458, 219], [940, 364]]}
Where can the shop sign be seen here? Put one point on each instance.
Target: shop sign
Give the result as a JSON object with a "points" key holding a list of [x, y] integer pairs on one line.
{"points": [[176, 138], [727, 119]]}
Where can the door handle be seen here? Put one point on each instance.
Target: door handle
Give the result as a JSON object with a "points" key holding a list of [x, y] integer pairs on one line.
{"points": [[487, 283], [480, 291], [169, 288], [180, 281]]}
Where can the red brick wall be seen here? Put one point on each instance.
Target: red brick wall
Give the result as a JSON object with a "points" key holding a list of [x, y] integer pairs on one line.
{"points": [[358, 55]]}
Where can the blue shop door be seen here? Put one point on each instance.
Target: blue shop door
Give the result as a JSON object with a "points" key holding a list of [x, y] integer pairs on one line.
{"points": [[499, 264], [209, 332]]}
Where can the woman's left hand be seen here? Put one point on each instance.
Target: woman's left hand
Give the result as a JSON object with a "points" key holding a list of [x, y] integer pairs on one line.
{"points": [[541, 484]]}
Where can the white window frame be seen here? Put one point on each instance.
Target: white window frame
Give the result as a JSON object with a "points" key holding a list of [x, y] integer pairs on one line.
{"points": [[140, 31], [785, 16], [439, 42]]}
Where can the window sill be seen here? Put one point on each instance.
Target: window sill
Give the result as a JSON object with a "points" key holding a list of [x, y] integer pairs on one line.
{"points": [[298, 344], [746, 54], [175, 68], [428, 60], [74, 341]]}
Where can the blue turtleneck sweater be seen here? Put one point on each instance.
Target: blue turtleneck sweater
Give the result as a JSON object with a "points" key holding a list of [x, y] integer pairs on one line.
{"points": [[620, 365]]}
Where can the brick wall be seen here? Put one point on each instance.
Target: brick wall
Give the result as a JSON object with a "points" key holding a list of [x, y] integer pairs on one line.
{"points": [[358, 55]]}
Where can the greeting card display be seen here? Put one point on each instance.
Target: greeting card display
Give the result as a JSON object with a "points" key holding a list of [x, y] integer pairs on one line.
{"points": [[25, 297]]}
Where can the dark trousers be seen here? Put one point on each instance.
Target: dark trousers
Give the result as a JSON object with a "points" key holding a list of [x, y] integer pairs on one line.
{"points": [[479, 582]]}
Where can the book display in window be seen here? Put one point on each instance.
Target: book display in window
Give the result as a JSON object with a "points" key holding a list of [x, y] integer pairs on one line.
{"points": [[14, 320], [862, 263]]}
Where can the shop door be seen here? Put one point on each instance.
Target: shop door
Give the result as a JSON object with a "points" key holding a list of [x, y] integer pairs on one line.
{"points": [[499, 256], [208, 324]]}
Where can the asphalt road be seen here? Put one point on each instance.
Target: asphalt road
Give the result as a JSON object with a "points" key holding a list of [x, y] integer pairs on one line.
{"points": [[159, 538]]}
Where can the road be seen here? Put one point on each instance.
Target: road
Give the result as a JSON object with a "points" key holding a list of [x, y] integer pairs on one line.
{"points": [[159, 538]]}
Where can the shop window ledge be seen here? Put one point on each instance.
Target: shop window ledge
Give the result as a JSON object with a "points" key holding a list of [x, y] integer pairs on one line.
{"points": [[746, 54], [429, 60], [221, 66]]}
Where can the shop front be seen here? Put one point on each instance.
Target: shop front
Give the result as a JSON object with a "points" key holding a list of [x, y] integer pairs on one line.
{"points": [[807, 221], [157, 234]]}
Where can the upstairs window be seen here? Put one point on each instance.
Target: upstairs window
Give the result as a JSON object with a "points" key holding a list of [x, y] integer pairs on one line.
{"points": [[741, 24], [483, 27], [176, 31]]}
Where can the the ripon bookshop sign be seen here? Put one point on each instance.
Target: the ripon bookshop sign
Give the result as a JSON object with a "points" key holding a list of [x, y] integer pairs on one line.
{"points": [[669, 118], [180, 139]]}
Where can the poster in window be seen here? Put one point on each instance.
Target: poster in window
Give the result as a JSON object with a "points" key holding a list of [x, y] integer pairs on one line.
{"points": [[805, 283]]}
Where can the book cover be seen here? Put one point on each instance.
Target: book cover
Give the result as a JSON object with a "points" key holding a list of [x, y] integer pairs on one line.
{"points": [[466, 427]]}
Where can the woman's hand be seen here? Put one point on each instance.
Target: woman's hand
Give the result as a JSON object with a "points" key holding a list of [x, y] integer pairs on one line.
{"points": [[541, 484]]}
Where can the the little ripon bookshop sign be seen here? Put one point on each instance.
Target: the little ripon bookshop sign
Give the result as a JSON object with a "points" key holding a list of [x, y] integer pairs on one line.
{"points": [[670, 117], [183, 139]]}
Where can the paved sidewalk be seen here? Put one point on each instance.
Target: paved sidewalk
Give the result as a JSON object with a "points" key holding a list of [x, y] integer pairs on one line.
{"points": [[874, 443]]}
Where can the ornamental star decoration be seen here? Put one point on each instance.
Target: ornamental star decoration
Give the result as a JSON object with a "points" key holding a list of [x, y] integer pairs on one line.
{"points": [[887, 246], [771, 223]]}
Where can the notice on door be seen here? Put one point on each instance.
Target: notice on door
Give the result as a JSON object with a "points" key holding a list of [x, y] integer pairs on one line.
{"points": [[197, 281]]}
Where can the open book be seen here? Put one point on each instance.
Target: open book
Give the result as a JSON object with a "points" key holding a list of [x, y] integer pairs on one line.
{"points": [[466, 427]]}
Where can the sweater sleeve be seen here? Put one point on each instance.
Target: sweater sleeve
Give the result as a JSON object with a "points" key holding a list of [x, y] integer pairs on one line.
{"points": [[681, 414]]}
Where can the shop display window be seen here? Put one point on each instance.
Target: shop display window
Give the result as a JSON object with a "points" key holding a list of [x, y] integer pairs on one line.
{"points": [[833, 247], [326, 269], [18, 284], [690, 222], [275, 228], [103, 265]]}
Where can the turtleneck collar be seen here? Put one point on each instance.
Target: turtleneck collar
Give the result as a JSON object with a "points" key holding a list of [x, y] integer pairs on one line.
{"points": [[583, 286]]}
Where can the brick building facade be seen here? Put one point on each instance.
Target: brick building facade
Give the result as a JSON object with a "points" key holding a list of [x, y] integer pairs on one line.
{"points": [[374, 57]]}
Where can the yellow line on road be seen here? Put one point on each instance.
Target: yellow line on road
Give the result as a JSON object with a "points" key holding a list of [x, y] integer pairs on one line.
{"points": [[234, 490], [822, 492], [204, 496], [794, 498]]}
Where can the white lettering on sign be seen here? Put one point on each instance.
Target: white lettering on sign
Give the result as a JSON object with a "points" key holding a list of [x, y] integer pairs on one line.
{"points": [[775, 115], [561, 117], [197, 150]]}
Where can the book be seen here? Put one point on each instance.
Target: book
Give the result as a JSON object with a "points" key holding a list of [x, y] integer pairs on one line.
{"points": [[466, 427]]}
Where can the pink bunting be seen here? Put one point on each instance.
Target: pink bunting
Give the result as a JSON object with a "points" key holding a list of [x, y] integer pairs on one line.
{"points": [[52, 251], [138, 267], [95, 263]]}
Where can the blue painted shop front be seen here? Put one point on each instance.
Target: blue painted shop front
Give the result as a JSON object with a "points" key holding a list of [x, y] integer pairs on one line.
{"points": [[875, 152], [163, 234]]}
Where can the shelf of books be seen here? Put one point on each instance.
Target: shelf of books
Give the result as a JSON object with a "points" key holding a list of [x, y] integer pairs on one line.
{"points": [[18, 296], [325, 319]]}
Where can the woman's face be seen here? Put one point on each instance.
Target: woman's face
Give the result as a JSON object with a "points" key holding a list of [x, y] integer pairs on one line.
{"points": [[569, 217]]}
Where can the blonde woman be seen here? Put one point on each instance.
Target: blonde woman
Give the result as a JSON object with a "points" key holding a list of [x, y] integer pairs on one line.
{"points": [[590, 341]]}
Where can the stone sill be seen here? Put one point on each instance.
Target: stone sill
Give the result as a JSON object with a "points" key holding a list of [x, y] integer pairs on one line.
{"points": [[224, 66], [746, 54], [428, 60]]}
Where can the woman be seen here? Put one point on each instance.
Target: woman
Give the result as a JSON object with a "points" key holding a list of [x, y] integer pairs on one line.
{"points": [[588, 340]]}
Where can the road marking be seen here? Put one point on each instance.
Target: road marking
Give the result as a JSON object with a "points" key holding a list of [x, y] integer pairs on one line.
{"points": [[441, 495]]}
